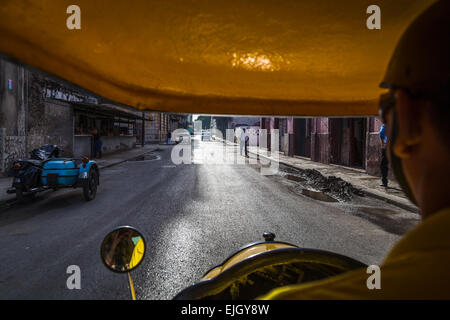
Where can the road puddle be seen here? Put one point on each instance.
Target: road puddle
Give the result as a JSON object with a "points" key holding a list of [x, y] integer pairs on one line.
{"points": [[317, 195], [147, 157], [387, 220]]}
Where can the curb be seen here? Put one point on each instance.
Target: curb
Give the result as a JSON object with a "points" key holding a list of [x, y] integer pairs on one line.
{"points": [[125, 160]]}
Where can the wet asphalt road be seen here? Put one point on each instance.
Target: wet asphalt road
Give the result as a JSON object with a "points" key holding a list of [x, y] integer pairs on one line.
{"points": [[192, 216]]}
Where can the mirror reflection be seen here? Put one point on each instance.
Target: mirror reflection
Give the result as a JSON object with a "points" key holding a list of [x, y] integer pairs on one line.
{"points": [[123, 249]]}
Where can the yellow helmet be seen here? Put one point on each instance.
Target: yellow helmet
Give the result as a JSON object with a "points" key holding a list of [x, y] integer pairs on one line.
{"points": [[421, 60]]}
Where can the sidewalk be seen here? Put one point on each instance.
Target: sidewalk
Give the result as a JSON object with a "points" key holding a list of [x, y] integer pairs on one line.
{"points": [[370, 185], [106, 161], [116, 158]]}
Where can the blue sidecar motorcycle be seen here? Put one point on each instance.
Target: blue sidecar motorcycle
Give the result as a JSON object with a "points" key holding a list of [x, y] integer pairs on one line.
{"points": [[46, 170]]}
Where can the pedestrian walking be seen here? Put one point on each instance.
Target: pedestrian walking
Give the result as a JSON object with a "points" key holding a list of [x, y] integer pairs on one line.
{"points": [[169, 138], [384, 165]]}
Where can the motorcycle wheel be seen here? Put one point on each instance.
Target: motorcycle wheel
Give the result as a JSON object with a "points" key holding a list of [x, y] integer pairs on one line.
{"points": [[90, 190]]}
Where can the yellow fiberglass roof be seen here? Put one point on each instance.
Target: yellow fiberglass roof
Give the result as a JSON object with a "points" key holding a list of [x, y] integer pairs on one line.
{"points": [[265, 57]]}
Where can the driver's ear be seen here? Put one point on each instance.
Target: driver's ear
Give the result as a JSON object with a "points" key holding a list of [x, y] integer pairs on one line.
{"points": [[409, 121]]}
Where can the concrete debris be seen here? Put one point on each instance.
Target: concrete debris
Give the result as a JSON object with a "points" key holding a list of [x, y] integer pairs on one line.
{"points": [[332, 186]]}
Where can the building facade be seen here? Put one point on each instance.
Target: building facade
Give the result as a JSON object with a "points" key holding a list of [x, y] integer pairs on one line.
{"points": [[352, 142], [36, 109], [28, 119]]}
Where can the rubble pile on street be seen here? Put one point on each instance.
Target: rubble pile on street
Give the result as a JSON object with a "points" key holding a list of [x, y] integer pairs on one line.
{"points": [[338, 187], [331, 185]]}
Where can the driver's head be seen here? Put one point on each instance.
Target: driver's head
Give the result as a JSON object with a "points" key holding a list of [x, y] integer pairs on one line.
{"points": [[416, 109]]}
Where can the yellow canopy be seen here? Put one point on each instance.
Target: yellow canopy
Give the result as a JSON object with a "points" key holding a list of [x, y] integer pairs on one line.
{"points": [[265, 57]]}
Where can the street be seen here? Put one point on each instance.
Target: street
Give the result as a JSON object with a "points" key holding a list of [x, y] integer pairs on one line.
{"points": [[193, 216]]}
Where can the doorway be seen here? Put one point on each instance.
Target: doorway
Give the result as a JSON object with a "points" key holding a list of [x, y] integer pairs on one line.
{"points": [[347, 141], [302, 137]]}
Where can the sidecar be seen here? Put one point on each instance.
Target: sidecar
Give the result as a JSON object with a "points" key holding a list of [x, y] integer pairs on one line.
{"points": [[33, 176], [72, 173], [45, 169]]}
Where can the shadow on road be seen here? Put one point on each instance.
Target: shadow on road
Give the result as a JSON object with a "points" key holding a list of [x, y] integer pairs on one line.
{"points": [[40, 204], [382, 218]]}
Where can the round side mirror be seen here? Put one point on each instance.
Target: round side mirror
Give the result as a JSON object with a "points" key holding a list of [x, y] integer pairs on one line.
{"points": [[123, 249]]}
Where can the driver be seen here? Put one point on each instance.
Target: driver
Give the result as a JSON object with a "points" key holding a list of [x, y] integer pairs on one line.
{"points": [[416, 111]]}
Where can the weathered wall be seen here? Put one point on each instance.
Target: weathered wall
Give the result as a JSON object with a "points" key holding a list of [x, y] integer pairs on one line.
{"points": [[28, 119], [49, 121], [14, 149], [320, 144], [82, 146], [13, 104], [373, 158], [9, 97], [156, 130], [285, 144], [345, 147], [118, 143]]}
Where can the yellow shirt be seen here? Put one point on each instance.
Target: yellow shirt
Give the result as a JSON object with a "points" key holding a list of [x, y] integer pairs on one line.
{"points": [[418, 267]]}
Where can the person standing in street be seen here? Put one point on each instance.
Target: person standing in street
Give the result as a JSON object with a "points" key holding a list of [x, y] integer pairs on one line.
{"points": [[98, 143], [246, 142], [384, 166], [242, 141]]}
